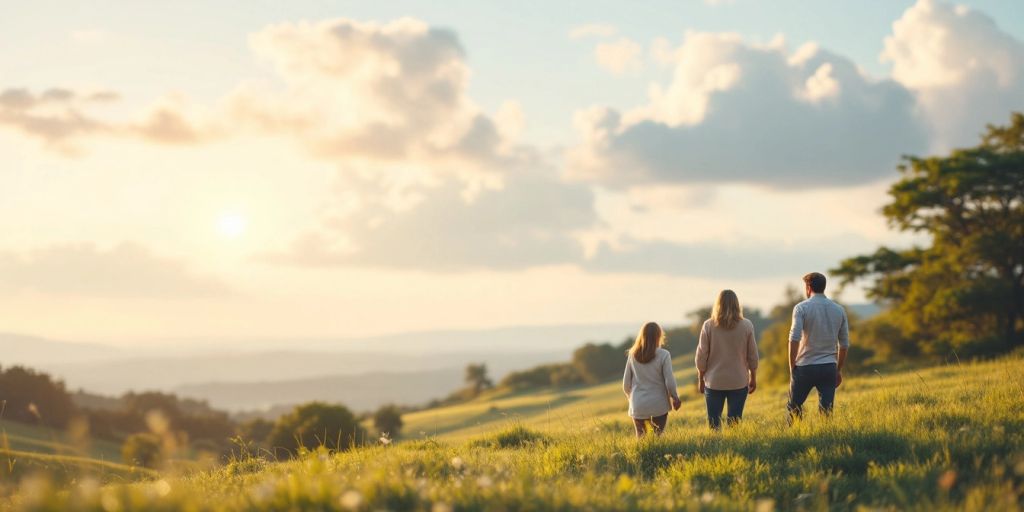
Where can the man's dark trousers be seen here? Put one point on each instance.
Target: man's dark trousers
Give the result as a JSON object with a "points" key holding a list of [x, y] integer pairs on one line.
{"points": [[813, 376]]}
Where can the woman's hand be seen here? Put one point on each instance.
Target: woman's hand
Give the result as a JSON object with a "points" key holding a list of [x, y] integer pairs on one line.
{"points": [[676, 403], [752, 385], [700, 386]]}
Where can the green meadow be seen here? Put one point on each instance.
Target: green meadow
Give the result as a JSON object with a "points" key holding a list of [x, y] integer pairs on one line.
{"points": [[948, 437]]}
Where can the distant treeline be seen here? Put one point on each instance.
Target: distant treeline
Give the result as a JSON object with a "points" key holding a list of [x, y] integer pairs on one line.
{"points": [[33, 397], [592, 363], [155, 427]]}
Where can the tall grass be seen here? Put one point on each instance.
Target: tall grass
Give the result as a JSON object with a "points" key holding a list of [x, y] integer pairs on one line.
{"points": [[947, 438]]}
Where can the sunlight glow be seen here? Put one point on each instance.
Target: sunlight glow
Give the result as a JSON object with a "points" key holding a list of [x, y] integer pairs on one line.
{"points": [[232, 225]]}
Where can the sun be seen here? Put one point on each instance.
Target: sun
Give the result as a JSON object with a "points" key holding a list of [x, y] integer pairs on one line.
{"points": [[232, 225]]}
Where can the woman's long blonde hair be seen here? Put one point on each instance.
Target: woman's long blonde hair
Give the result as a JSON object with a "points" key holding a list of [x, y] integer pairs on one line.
{"points": [[647, 342], [727, 311]]}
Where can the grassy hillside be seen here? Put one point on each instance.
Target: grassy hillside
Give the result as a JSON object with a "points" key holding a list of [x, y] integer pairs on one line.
{"points": [[45, 440], [27, 450], [943, 438]]}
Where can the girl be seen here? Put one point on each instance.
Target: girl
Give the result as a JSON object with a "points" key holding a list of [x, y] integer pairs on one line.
{"points": [[726, 359], [648, 381]]}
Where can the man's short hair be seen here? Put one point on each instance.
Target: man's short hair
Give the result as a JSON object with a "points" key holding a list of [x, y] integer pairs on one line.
{"points": [[816, 281]]}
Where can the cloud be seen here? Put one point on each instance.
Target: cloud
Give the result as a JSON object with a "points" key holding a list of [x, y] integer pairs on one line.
{"points": [[127, 270], [662, 52], [61, 118], [53, 115], [592, 30], [378, 94], [736, 112], [529, 221], [965, 71], [619, 56], [427, 180]]}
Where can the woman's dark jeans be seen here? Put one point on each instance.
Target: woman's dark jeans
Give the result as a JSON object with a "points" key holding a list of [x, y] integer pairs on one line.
{"points": [[716, 400]]}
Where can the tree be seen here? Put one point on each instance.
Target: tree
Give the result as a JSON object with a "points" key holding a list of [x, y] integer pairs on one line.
{"points": [[256, 430], [598, 363], [29, 396], [477, 379], [964, 290], [774, 342], [316, 424], [388, 420]]}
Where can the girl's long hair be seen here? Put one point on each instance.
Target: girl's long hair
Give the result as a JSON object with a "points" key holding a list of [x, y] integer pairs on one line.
{"points": [[727, 311], [647, 342]]}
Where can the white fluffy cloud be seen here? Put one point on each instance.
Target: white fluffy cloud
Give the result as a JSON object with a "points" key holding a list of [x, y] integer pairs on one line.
{"points": [[737, 112], [427, 180], [964, 70]]}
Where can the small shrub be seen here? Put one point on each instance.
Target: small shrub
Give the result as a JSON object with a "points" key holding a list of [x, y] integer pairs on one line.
{"points": [[512, 437], [143, 449]]}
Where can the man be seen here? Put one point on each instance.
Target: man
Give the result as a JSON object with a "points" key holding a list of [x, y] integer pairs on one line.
{"points": [[818, 342]]}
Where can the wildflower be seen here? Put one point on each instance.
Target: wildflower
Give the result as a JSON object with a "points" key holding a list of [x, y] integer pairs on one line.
{"points": [[457, 462], [385, 439], [351, 499], [706, 497], [484, 481]]}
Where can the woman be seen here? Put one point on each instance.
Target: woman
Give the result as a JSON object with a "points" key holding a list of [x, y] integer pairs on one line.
{"points": [[726, 359], [648, 381]]}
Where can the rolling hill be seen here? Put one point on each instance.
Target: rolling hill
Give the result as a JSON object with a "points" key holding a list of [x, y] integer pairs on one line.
{"points": [[949, 437]]}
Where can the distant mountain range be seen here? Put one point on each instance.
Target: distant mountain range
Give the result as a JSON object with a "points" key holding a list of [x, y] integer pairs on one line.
{"points": [[407, 368]]}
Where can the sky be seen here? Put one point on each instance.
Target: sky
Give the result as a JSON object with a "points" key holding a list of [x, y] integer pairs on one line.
{"points": [[174, 170]]}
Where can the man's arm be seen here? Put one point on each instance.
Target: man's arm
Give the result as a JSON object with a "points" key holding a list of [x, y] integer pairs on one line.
{"points": [[844, 347], [839, 365], [795, 333], [794, 347]]}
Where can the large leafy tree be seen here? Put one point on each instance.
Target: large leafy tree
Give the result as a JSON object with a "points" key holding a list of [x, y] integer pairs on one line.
{"points": [[963, 289]]}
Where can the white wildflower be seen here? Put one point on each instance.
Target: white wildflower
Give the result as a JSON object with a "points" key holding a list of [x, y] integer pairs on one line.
{"points": [[351, 499], [162, 488]]}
